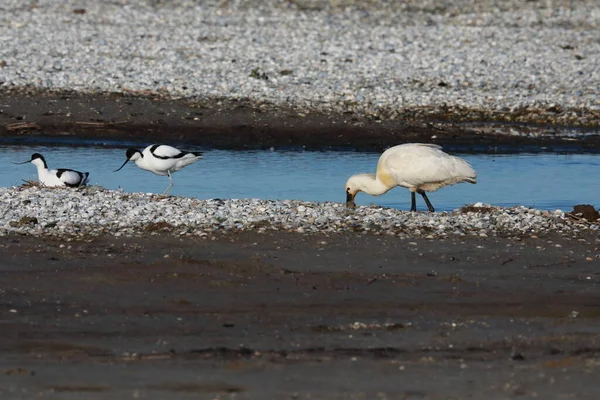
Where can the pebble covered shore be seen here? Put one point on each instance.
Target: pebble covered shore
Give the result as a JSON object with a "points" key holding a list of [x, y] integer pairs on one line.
{"points": [[532, 61], [512, 60], [93, 211]]}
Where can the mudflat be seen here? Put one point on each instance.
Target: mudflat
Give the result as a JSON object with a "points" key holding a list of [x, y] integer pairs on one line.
{"points": [[288, 315]]}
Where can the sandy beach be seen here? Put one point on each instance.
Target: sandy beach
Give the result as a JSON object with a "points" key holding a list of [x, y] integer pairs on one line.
{"points": [[298, 316]]}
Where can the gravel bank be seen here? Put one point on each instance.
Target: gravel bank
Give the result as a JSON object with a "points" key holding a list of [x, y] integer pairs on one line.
{"points": [[534, 61], [94, 211]]}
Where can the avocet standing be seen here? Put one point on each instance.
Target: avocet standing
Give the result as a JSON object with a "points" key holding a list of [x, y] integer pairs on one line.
{"points": [[161, 160], [57, 177]]}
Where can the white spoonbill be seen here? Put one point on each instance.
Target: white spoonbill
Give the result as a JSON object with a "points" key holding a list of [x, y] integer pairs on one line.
{"points": [[162, 160], [56, 177], [417, 166]]}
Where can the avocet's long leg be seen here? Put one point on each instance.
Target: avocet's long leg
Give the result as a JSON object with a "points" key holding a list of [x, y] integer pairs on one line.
{"points": [[170, 184]]}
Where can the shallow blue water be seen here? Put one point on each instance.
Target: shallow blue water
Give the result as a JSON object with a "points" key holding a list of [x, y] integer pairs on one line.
{"points": [[545, 181]]}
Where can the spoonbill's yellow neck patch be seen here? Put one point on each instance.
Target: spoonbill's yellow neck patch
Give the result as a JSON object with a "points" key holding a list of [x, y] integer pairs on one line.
{"points": [[384, 176], [367, 183]]}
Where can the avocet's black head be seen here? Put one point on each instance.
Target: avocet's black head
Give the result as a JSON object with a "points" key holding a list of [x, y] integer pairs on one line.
{"points": [[34, 157], [130, 154]]}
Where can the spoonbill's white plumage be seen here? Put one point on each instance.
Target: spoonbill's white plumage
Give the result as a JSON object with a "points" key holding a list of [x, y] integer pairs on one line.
{"points": [[416, 166], [162, 160], [56, 177]]}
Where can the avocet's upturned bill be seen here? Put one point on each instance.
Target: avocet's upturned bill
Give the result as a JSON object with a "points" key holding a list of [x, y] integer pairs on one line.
{"points": [[56, 177], [161, 160]]}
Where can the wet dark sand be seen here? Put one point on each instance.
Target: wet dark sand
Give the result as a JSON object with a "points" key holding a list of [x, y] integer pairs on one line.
{"points": [[269, 316], [246, 125]]}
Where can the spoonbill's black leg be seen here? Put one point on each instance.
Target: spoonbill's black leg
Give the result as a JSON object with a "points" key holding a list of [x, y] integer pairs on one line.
{"points": [[422, 193], [413, 202]]}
